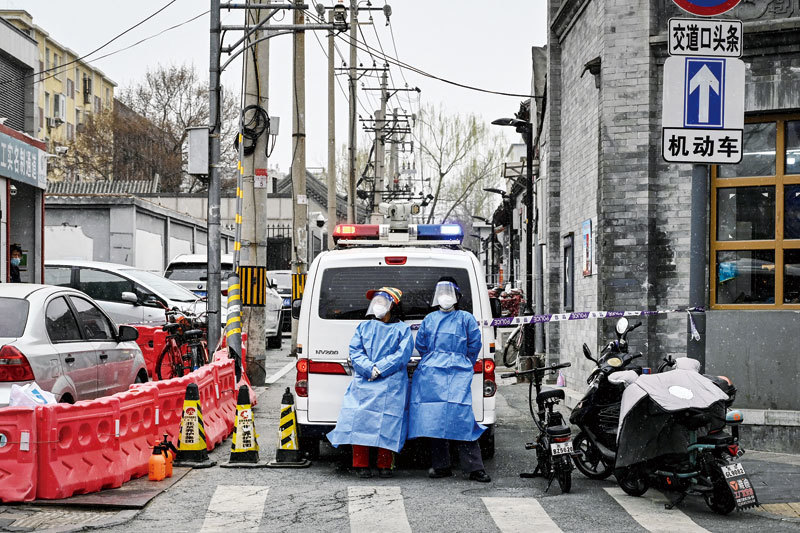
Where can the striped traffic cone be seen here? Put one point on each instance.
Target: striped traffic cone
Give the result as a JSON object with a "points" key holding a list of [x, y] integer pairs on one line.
{"points": [[244, 443], [288, 454], [192, 450]]}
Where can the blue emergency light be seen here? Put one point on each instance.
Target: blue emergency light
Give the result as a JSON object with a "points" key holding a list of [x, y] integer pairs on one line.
{"points": [[440, 232]]}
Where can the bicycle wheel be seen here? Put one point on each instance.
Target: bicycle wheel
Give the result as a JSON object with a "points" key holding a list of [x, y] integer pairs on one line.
{"points": [[169, 364], [512, 348]]}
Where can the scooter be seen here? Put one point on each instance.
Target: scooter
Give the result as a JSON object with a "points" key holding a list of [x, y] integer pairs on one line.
{"points": [[597, 414], [553, 445], [664, 443]]}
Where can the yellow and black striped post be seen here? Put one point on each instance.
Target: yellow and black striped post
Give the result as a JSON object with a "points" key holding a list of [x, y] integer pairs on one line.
{"points": [[288, 454], [253, 285], [233, 327], [192, 448], [298, 285], [244, 442]]}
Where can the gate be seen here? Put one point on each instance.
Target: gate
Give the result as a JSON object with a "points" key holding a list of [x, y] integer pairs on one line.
{"points": [[279, 247]]}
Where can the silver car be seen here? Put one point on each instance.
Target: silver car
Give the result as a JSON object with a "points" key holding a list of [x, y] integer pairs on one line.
{"points": [[60, 338]]}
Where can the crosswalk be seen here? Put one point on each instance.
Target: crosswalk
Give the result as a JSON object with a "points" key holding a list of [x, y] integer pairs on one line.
{"points": [[382, 509]]}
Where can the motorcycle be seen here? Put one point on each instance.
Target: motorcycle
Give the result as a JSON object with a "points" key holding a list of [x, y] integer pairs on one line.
{"points": [[672, 436], [597, 413]]}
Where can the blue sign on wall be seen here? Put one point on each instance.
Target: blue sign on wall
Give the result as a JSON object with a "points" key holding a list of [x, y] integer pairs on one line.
{"points": [[704, 93]]}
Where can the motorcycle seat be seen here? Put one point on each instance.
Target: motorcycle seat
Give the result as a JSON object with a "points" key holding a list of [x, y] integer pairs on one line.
{"points": [[550, 394], [718, 438], [193, 334], [558, 431]]}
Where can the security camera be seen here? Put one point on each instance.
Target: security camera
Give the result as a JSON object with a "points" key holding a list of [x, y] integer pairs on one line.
{"points": [[320, 220], [320, 10], [62, 150]]}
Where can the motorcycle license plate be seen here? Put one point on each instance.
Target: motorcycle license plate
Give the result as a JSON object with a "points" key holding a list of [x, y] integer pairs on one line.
{"points": [[561, 448], [739, 484]]}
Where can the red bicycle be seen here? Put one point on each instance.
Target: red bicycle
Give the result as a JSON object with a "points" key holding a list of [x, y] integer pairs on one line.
{"points": [[185, 349]]}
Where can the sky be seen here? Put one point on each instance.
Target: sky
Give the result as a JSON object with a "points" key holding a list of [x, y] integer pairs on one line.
{"points": [[479, 43]]}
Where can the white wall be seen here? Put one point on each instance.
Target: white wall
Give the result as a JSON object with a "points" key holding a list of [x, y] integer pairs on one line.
{"points": [[149, 255], [67, 242]]}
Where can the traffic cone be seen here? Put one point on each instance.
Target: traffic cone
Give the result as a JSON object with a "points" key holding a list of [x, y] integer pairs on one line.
{"points": [[192, 450], [288, 455], [244, 444]]}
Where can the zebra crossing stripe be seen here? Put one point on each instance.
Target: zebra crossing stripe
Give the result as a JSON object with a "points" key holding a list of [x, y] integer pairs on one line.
{"points": [[377, 509], [651, 515], [239, 505], [519, 514]]}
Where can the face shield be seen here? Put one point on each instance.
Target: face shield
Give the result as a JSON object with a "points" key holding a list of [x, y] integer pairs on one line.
{"points": [[379, 305], [445, 296]]}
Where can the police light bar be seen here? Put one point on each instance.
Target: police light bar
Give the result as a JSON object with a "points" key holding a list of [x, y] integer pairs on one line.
{"points": [[440, 232], [356, 232], [420, 234]]}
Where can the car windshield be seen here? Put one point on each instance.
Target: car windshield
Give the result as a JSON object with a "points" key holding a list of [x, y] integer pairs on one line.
{"points": [[343, 295], [14, 317], [284, 279], [194, 271], [162, 286]]}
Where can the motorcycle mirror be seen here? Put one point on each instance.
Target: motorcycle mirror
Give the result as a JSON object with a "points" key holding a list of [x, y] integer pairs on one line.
{"points": [[587, 353], [622, 326]]}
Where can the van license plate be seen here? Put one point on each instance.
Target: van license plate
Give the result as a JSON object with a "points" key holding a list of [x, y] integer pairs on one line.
{"points": [[561, 448]]}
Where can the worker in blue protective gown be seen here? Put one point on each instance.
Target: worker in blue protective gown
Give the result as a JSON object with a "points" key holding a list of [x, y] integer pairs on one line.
{"points": [[375, 406], [448, 342]]}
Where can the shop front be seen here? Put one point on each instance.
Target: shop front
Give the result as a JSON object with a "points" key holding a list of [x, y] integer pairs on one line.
{"points": [[23, 180]]}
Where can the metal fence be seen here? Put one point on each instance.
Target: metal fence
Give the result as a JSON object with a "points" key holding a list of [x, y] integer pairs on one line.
{"points": [[279, 247]]}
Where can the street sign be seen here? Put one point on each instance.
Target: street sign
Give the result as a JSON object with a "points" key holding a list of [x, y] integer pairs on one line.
{"points": [[703, 110], [705, 37], [706, 8]]}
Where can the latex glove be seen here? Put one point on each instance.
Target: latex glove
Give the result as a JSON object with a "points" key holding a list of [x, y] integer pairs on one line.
{"points": [[375, 373]]}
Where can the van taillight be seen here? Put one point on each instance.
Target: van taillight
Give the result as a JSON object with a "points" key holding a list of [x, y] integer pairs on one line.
{"points": [[326, 367], [301, 382], [224, 292], [396, 260], [486, 366], [14, 365]]}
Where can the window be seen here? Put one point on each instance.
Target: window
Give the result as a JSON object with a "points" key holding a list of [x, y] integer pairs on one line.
{"points": [[569, 273], [70, 88], [60, 322], [14, 317], [95, 324], [343, 295], [47, 58], [755, 229], [47, 105], [61, 276], [104, 286]]}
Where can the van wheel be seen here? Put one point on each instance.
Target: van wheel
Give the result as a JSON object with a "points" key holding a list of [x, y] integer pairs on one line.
{"points": [[486, 442], [309, 446], [274, 343]]}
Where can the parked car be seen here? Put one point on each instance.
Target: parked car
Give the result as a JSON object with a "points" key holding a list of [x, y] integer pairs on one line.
{"points": [[61, 339], [283, 281], [128, 295], [189, 271]]}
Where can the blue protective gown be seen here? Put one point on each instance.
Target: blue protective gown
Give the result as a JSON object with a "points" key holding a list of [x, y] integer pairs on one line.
{"points": [[441, 396], [375, 413]]}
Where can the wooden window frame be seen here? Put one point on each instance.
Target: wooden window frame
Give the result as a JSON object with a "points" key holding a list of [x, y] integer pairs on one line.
{"points": [[778, 244]]}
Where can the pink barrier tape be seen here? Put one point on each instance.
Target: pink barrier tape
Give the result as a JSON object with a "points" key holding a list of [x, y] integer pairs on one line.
{"points": [[78, 448], [18, 466], [137, 429]]}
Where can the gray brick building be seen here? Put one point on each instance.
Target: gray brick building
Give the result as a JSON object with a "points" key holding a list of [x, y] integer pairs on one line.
{"points": [[601, 161]]}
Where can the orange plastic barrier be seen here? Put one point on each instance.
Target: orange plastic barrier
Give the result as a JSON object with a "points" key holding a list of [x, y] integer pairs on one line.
{"points": [[78, 448], [137, 429], [18, 466]]}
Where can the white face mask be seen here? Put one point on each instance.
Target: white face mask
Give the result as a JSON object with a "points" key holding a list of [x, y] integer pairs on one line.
{"points": [[379, 306], [447, 302]]}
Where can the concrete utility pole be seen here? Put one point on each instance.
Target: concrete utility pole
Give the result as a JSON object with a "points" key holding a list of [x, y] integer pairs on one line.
{"points": [[254, 197], [214, 132], [696, 349], [300, 200], [352, 140], [380, 151], [331, 136]]}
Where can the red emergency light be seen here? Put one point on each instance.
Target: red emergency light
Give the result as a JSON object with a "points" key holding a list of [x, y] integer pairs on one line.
{"points": [[356, 231]]}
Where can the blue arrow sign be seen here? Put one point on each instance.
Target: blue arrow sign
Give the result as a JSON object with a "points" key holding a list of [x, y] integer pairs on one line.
{"points": [[704, 93]]}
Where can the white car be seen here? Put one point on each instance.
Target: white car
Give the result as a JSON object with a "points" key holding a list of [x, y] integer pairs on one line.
{"points": [[62, 340], [190, 271], [128, 295], [334, 303]]}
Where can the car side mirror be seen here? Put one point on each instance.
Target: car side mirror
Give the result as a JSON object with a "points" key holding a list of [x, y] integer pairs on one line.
{"points": [[497, 309], [273, 283], [151, 301], [587, 353], [130, 297], [127, 333], [296, 308]]}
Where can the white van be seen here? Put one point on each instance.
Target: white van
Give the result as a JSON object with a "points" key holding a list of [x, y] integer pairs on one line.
{"points": [[334, 303]]}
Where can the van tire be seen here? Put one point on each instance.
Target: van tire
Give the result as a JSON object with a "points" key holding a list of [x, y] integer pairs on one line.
{"points": [[486, 442], [275, 343], [309, 446]]}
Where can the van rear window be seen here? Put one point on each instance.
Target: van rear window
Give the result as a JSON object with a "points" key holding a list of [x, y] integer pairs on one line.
{"points": [[343, 295]]}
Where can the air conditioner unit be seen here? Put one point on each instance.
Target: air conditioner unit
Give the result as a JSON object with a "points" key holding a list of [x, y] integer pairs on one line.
{"points": [[53, 122]]}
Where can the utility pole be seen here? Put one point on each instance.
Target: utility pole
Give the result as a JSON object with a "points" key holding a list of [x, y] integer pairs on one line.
{"points": [[300, 200], [380, 150], [254, 191], [352, 147], [331, 137], [214, 132], [393, 163]]}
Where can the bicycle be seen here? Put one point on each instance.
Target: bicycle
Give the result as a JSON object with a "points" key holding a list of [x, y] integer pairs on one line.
{"points": [[553, 444], [513, 346], [185, 348]]}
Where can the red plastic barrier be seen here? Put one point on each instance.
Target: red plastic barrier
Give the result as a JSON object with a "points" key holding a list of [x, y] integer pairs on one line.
{"points": [[169, 404], [18, 466], [137, 429], [78, 448], [226, 378], [214, 423], [244, 349], [151, 341]]}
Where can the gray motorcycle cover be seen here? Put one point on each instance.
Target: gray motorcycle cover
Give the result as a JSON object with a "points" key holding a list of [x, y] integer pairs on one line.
{"points": [[653, 409]]}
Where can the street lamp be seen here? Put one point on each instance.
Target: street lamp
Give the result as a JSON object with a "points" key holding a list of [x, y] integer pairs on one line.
{"points": [[507, 203], [489, 248], [526, 129]]}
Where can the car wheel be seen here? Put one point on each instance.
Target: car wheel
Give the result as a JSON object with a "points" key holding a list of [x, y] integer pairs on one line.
{"points": [[66, 398], [141, 377]]}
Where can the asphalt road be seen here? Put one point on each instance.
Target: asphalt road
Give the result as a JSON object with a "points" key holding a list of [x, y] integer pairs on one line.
{"points": [[330, 497]]}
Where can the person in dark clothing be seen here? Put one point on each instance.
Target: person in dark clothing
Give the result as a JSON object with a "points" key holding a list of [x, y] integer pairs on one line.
{"points": [[16, 258]]}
